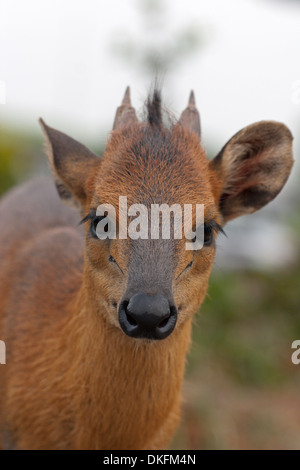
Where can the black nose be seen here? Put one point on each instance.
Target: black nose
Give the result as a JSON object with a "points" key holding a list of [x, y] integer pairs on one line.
{"points": [[147, 316]]}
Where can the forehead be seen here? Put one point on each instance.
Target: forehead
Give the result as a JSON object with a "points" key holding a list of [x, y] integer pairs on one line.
{"points": [[154, 165]]}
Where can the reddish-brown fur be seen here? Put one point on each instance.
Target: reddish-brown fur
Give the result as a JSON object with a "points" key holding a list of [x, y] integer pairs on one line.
{"points": [[73, 379]]}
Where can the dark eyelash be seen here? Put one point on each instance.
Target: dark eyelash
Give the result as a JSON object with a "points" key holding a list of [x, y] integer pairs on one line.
{"points": [[213, 224], [90, 216]]}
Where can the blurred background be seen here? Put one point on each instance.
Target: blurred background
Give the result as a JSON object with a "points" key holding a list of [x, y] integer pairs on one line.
{"points": [[70, 62]]}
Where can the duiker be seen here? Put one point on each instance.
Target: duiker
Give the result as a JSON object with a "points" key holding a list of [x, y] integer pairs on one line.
{"points": [[97, 331]]}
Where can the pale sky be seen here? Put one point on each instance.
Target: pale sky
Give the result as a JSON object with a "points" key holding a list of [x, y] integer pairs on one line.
{"points": [[56, 62]]}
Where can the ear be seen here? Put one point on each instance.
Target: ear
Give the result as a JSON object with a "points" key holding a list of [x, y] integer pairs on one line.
{"points": [[253, 167], [71, 163]]}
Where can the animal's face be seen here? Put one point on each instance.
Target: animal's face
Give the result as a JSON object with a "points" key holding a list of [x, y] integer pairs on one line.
{"points": [[155, 283], [150, 285]]}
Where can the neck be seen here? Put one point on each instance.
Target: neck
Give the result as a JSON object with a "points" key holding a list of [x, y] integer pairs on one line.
{"points": [[125, 390]]}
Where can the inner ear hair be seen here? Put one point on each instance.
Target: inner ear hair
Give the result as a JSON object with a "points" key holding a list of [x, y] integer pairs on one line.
{"points": [[252, 167]]}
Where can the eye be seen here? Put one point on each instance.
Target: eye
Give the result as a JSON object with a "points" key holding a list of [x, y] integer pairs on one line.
{"points": [[94, 222], [208, 234]]}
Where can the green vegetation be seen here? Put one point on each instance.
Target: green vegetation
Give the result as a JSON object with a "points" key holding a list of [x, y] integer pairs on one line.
{"points": [[21, 156], [248, 323]]}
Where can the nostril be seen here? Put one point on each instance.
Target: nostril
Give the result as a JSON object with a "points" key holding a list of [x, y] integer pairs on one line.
{"points": [[131, 320], [127, 320], [164, 322]]}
